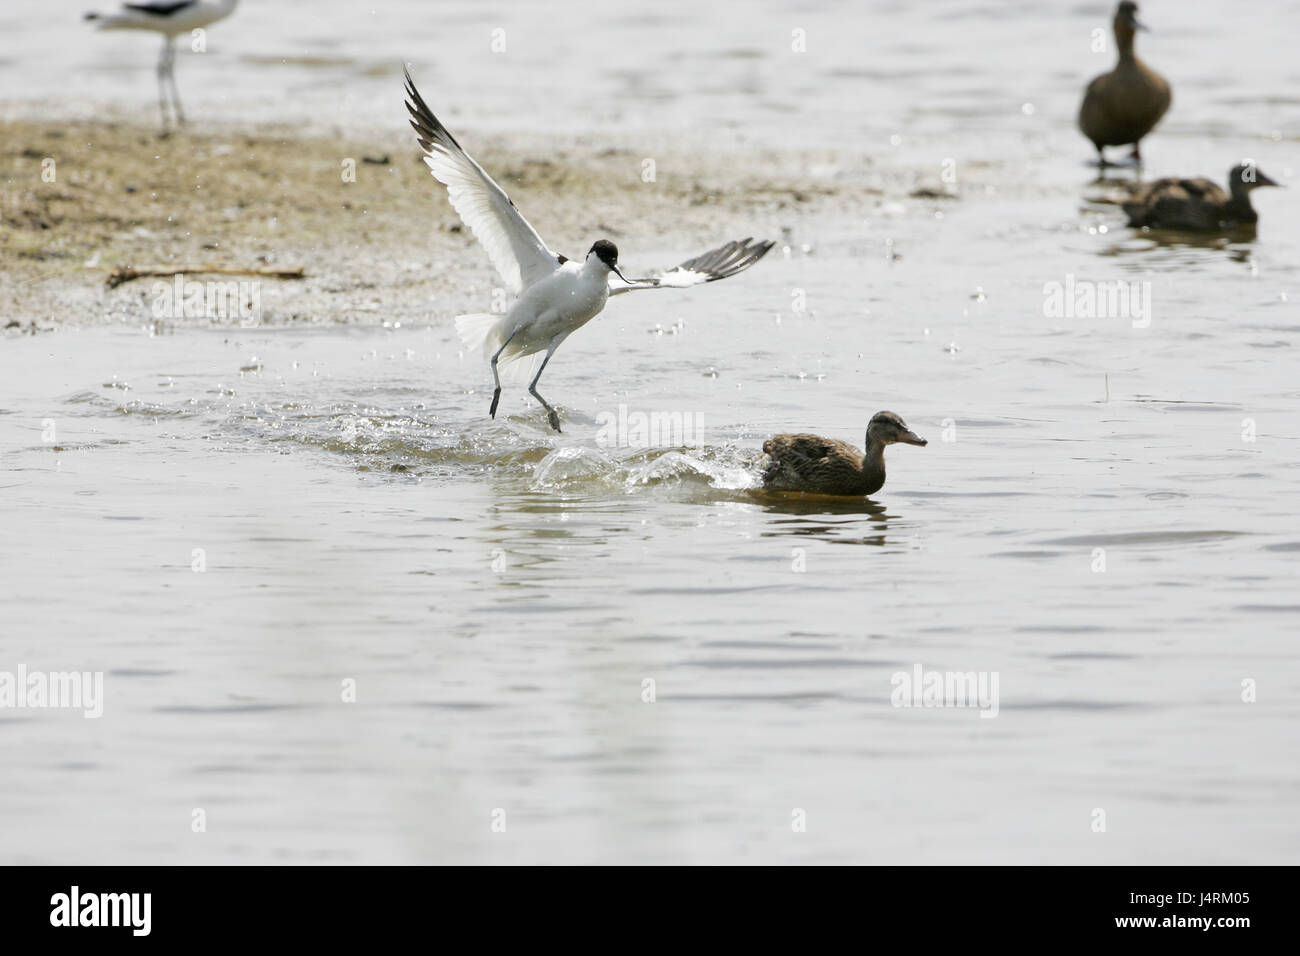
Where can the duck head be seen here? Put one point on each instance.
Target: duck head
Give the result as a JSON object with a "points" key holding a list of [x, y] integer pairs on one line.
{"points": [[1126, 24], [1126, 18], [1246, 176], [886, 428], [604, 253]]}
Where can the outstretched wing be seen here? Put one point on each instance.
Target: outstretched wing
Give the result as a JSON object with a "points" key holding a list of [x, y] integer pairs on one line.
{"points": [[716, 264], [516, 250]]}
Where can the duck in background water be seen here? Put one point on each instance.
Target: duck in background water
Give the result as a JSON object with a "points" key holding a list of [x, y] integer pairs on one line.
{"points": [[826, 466], [1197, 204], [1122, 106]]}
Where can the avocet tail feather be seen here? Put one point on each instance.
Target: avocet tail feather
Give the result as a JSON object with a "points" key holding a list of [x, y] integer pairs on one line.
{"points": [[476, 332], [519, 368], [479, 333]]}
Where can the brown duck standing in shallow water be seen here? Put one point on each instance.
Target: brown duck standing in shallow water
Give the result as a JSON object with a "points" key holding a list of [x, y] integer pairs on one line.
{"points": [[1122, 106], [825, 466], [1197, 204]]}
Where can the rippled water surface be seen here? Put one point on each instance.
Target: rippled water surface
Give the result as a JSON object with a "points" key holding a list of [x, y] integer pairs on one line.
{"points": [[1105, 515]]}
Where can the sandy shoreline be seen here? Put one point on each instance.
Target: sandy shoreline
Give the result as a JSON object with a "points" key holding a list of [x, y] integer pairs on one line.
{"points": [[80, 199]]}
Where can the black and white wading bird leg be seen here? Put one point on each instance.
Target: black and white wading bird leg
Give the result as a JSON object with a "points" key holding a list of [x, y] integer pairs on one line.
{"points": [[554, 296], [170, 19]]}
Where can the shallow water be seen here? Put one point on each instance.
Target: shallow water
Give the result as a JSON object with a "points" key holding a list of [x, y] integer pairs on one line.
{"points": [[946, 69], [499, 594]]}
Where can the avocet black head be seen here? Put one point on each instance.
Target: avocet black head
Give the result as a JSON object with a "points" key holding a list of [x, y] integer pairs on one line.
{"points": [[606, 252]]}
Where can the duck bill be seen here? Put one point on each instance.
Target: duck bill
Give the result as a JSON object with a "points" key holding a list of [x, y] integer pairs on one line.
{"points": [[912, 438], [1262, 180]]}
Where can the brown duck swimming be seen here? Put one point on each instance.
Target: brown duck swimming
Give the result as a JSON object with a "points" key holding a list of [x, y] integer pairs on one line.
{"points": [[825, 466], [1197, 204], [1122, 106]]}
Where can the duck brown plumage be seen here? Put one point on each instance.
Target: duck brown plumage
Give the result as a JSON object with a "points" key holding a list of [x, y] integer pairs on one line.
{"points": [[1197, 204], [1122, 106], [827, 466]]}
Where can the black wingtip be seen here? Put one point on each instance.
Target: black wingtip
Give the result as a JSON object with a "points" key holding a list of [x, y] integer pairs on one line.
{"points": [[427, 126], [410, 82], [737, 256], [414, 102]]}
